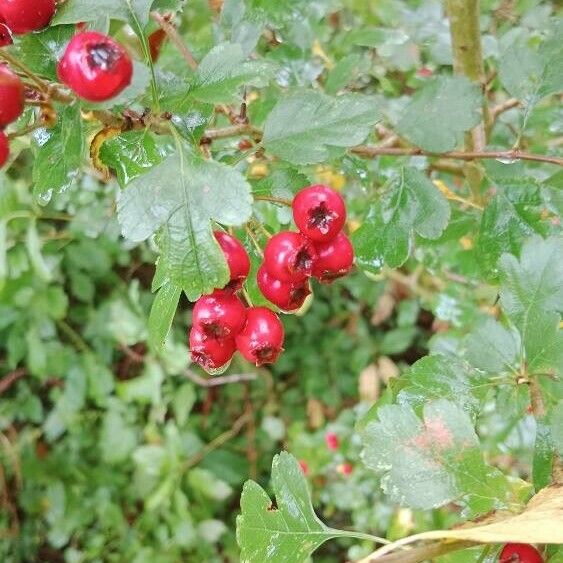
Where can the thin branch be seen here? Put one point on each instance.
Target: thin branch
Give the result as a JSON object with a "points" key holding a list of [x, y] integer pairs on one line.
{"points": [[272, 199], [369, 151], [536, 398], [222, 380], [172, 33], [9, 379], [421, 553], [502, 107], [231, 131]]}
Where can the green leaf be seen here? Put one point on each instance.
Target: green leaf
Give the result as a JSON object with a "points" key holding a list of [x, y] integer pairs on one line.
{"points": [[446, 377], [179, 198], [41, 51], [162, 313], [33, 245], [531, 295], [542, 464], [440, 113], [556, 422], [310, 127], [411, 204], [223, 71], [58, 153], [129, 11], [430, 462], [117, 438], [132, 154], [288, 533], [493, 348]]}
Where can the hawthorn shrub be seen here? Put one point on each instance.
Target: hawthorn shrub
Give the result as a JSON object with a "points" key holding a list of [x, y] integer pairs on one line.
{"points": [[348, 213]]}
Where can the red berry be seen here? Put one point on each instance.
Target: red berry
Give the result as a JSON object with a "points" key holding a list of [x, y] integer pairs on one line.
{"points": [[332, 441], [5, 35], [4, 148], [23, 16], [304, 466], [520, 553], [95, 66], [288, 296], [334, 259], [210, 353], [156, 40], [289, 256], [424, 72], [219, 315], [12, 96], [237, 259], [261, 340], [319, 212], [344, 468]]}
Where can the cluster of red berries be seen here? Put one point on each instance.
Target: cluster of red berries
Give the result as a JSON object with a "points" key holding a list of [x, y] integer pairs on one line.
{"points": [[94, 66], [222, 324]]}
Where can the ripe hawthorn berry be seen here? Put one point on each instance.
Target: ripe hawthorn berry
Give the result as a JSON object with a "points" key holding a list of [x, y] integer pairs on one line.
{"points": [[95, 66], [5, 34], [210, 353], [319, 212], [24, 16], [289, 256], [4, 148], [219, 315], [12, 96], [288, 296], [237, 259], [332, 441], [520, 553], [344, 468], [334, 259], [261, 340]]}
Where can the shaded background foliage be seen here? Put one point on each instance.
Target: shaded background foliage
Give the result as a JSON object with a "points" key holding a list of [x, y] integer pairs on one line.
{"points": [[111, 451]]}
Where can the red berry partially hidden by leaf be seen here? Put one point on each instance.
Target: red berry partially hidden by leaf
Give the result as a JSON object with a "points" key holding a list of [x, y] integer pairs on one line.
{"points": [[210, 353], [4, 148], [332, 441], [156, 40], [319, 212], [237, 259], [288, 296], [289, 257], [334, 259], [5, 35], [520, 553], [24, 16], [11, 96], [261, 340], [304, 466], [95, 66], [219, 315]]}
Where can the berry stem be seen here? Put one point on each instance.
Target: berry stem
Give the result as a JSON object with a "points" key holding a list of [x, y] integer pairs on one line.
{"points": [[14, 62], [273, 199], [254, 241], [172, 33]]}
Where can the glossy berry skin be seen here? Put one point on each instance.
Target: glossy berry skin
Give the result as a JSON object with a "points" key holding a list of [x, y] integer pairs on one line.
{"points": [[95, 66], [261, 340], [288, 296], [219, 315], [520, 553], [24, 16], [237, 259], [5, 35], [334, 259], [11, 96], [4, 148], [289, 257], [319, 212], [332, 441], [210, 353]]}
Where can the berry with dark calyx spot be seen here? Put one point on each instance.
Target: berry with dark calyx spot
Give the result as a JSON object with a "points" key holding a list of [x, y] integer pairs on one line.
{"points": [[261, 340], [11, 96], [219, 315], [4, 148], [210, 353], [319, 212], [95, 66], [520, 553], [334, 259], [289, 256], [288, 296], [24, 16], [5, 35], [237, 259]]}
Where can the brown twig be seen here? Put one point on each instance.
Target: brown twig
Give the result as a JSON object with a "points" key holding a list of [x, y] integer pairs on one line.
{"points": [[495, 111], [9, 379], [369, 151], [231, 131], [272, 199], [172, 33], [536, 398], [221, 380]]}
